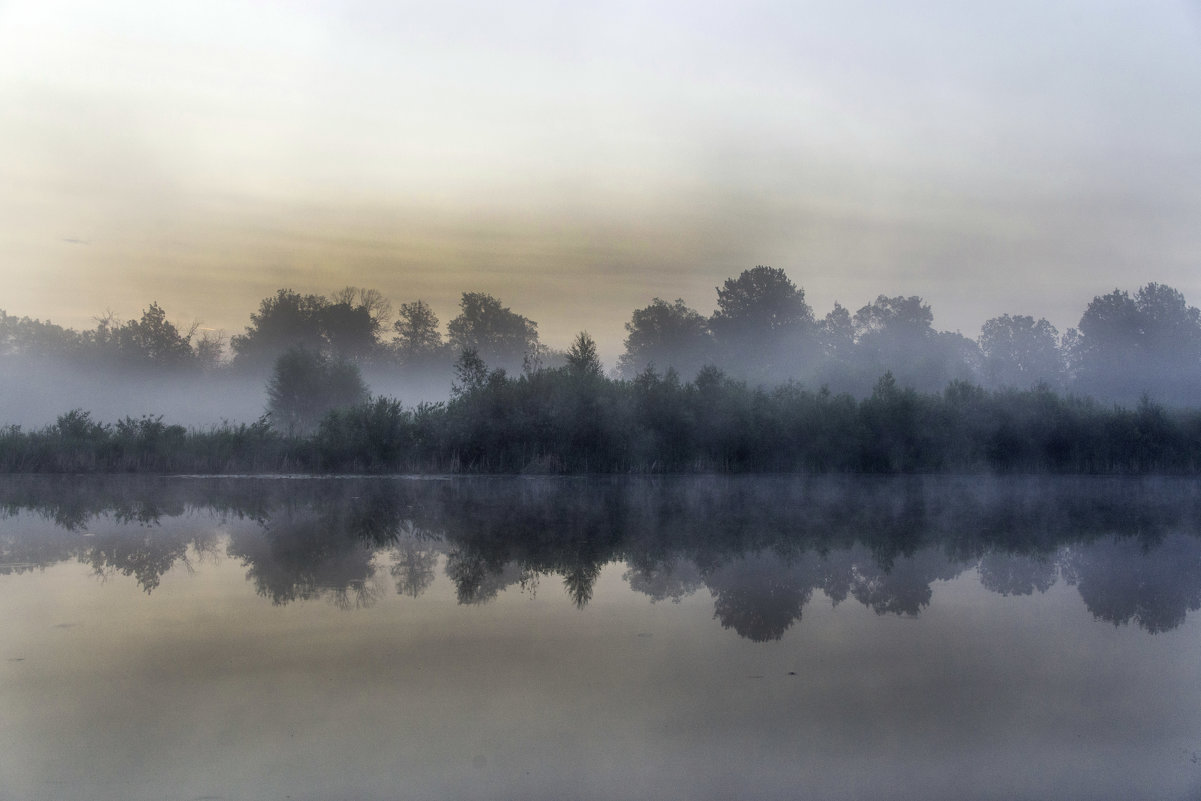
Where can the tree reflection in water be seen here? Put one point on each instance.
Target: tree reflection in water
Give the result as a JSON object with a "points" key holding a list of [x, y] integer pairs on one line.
{"points": [[761, 545]]}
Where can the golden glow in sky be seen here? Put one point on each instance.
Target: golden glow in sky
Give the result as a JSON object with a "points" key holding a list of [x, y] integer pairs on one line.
{"points": [[577, 160]]}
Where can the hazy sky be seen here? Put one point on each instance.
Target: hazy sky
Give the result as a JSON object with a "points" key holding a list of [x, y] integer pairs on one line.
{"points": [[577, 160]]}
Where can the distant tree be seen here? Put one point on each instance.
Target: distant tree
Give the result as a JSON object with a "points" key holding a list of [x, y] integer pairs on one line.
{"points": [[1019, 352], [836, 334], [210, 349], [1149, 343], [353, 321], [901, 320], [417, 340], [763, 326], [666, 335], [897, 334], [471, 373], [154, 341], [836, 347], [542, 357], [349, 331], [286, 320], [372, 301], [22, 336], [582, 358], [499, 336], [306, 384], [347, 326]]}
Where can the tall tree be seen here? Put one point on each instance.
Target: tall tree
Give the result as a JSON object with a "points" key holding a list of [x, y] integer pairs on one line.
{"points": [[1019, 352], [1150, 343], [764, 328], [372, 301], [897, 334], [347, 326], [285, 320], [499, 336], [666, 335], [418, 340], [22, 336], [154, 341], [307, 384], [349, 331], [582, 358]]}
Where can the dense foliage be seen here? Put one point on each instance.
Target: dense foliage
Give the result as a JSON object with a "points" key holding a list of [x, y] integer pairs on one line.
{"points": [[574, 419], [762, 331], [761, 385]]}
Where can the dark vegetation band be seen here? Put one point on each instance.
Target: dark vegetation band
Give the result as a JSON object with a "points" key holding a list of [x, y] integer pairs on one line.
{"points": [[761, 385], [569, 421]]}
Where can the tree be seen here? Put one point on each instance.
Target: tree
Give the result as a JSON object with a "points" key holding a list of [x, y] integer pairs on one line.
{"points": [[347, 326], [897, 334], [471, 373], [836, 334], [286, 320], [353, 320], [1149, 343], [22, 336], [154, 341], [764, 329], [210, 349], [1019, 352], [898, 319], [666, 335], [763, 299], [372, 301], [582, 359], [349, 331], [763, 326], [306, 384], [499, 336], [417, 340]]}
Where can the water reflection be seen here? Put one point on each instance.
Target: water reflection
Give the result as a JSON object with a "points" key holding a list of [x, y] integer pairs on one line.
{"points": [[763, 547]]}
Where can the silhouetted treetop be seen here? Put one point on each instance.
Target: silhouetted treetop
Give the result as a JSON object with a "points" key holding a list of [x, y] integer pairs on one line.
{"points": [[1019, 352], [582, 358], [347, 327], [417, 339], [1149, 343], [896, 318], [763, 326], [666, 335], [760, 299], [499, 336]]}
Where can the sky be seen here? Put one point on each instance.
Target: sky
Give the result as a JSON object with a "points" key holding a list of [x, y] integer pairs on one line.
{"points": [[577, 160]]}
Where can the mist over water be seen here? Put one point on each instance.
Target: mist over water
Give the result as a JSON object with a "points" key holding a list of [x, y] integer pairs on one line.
{"points": [[600, 638], [888, 261]]}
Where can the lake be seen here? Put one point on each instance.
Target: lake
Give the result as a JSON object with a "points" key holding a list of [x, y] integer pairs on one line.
{"points": [[707, 637]]}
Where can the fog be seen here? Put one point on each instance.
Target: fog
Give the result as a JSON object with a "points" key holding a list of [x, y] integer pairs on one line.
{"points": [[34, 394], [1128, 343]]}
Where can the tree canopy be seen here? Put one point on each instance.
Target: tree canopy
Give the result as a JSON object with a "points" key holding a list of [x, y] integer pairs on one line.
{"points": [[666, 335], [498, 335], [1150, 343], [306, 384], [763, 326], [1020, 352]]}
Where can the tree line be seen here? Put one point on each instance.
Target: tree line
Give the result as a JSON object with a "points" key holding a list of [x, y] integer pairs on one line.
{"points": [[762, 331], [574, 419]]}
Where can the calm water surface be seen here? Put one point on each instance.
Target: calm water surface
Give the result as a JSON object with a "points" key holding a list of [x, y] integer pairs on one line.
{"points": [[675, 638]]}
